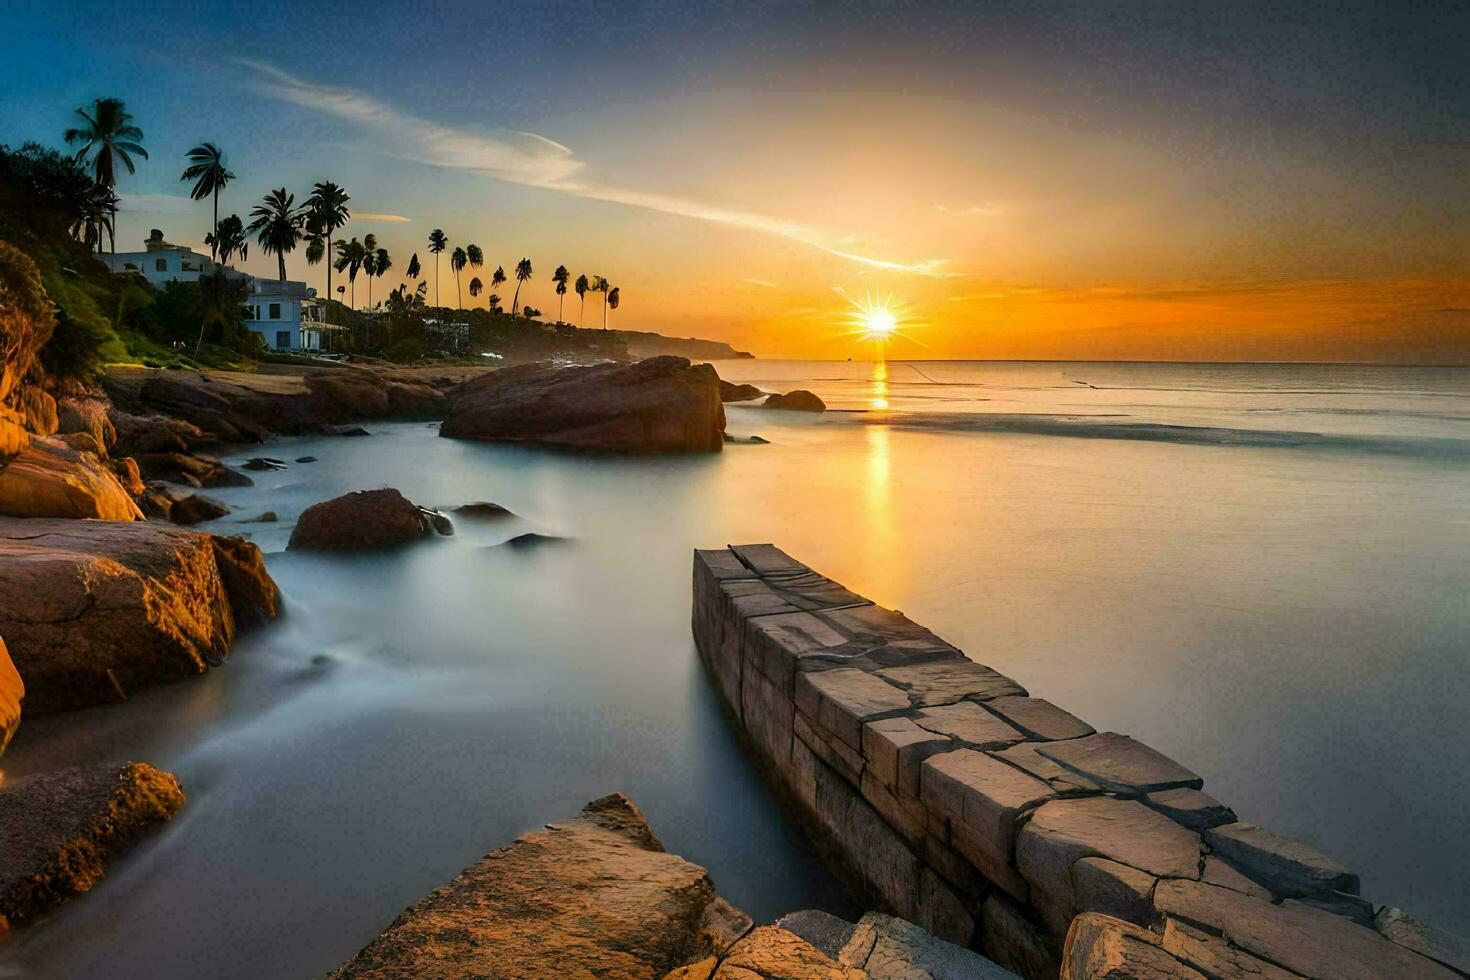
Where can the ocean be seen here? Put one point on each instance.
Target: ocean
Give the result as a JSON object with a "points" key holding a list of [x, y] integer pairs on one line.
{"points": [[1260, 570]]}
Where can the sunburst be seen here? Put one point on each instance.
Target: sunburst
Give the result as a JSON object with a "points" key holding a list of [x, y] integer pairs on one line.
{"points": [[877, 317]]}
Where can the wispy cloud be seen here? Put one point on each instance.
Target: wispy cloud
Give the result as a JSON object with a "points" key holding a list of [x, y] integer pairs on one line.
{"points": [[372, 216], [535, 161], [760, 282]]}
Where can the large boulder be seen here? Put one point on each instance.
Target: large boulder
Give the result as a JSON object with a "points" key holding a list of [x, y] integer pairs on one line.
{"points": [[663, 404], [27, 318], [362, 519], [92, 611], [142, 434], [51, 479], [12, 693], [81, 413], [732, 392], [799, 400], [61, 828], [596, 895]]}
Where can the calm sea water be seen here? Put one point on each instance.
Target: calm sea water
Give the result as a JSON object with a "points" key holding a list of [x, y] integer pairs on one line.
{"points": [[1261, 570]]}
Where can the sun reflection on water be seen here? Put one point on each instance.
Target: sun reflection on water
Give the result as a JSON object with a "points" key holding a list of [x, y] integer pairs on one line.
{"points": [[878, 384]]}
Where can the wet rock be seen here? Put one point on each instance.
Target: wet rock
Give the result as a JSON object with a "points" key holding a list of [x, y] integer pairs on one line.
{"points": [[201, 471], [345, 430], [1193, 808], [1288, 867], [12, 693], [94, 611], [663, 404], [731, 392], [799, 400], [529, 540], [1304, 940], [1443, 947], [61, 828], [596, 895], [745, 440], [269, 517], [1120, 764], [483, 511], [141, 434], [50, 479], [306, 459], [195, 508], [1103, 948], [439, 522], [362, 519], [264, 463], [254, 596]]}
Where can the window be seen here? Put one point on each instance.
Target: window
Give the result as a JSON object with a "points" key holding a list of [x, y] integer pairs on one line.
{"points": [[160, 265], [275, 311], [283, 339]]}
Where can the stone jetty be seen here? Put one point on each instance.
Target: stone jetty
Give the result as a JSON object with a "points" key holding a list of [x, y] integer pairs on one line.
{"points": [[945, 793]]}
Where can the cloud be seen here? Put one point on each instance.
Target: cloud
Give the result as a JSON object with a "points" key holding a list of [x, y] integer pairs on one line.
{"points": [[535, 161], [371, 216], [156, 204], [760, 282]]}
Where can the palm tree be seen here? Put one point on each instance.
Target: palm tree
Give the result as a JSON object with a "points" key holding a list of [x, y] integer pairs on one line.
{"points": [[613, 298], [207, 170], [349, 257], [582, 286], [523, 272], [327, 208], [414, 270], [94, 216], [560, 277], [228, 240], [475, 286], [497, 279], [495, 303], [601, 285], [457, 261], [381, 264], [476, 257], [277, 225], [437, 244], [107, 137]]}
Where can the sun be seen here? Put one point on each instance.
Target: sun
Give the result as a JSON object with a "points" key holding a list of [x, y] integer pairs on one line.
{"points": [[876, 317], [879, 323]]}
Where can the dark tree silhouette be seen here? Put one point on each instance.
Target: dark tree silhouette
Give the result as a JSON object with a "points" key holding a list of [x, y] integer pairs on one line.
{"points": [[582, 286], [414, 270], [108, 136], [210, 175], [475, 286], [326, 213], [277, 224], [457, 261], [523, 273], [613, 298], [228, 240], [437, 244], [560, 277]]}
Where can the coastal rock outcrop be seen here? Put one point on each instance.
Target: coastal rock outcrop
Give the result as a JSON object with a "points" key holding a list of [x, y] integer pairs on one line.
{"points": [[799, 400], [362, 519], [12, 693], [61, 828], [89, 414], [663, 404], [596, 895], [27, 319], [92, 611], [51, 479], [732, 392]]}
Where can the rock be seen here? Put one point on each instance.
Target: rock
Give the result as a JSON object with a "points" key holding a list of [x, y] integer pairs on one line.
{"points": [[948, 681], [83, 442], [12, 693], [1102, 948], [1024, 756], [1288, 867], [195, 508], [1220, 872], [888, 948], [127, 473], [441, 524], [27, 318], [61, 828], [50, 479], [982, 798], [773, 953], [263, 463], [1062, 832], [362, 519], [841, 700], [1305, 940], [1353, 907], [663, 404], [254, 596], [142, 434], [77, 413], [39, 409], [895, 749], [596, 895], [269, 517], [483, 511], [969, 724], [1193, 808], [799, 400], [202, 471], [345, 430], [360, 394], [529, 540], [306, 459], [745, 440], [823, 930], [1120, 764], [1010, 938], [1399, 926], [731, 392], [1038, 718], [93, 611], [1100, 885], [1215, 957]]}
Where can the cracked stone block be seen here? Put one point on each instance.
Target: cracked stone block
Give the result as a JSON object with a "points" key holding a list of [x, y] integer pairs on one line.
{"points": [[1100, 885], [767, 559], [1444, 947], [878, 626], [888, 948], [1220, 872], [948, 681], [1024, 756], [876, 853], [1039, 719], [808, 590], [1062, 832], [1297, 937], [841, 700], [941, 909], [1352, 907], [1103, 948], [895, 749], [720, 564], [1193, 808], [777, 644], [1012, 939], [1214, 956], [803, 774], [823, 930], [770, 951], [982, 797], [832, 750], [905, 816], [1288, 867], [969, 724], [766, 708], [1120, 764]]}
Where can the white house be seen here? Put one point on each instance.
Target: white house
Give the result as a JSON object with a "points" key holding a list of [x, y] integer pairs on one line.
{"points": [[287, 314]]}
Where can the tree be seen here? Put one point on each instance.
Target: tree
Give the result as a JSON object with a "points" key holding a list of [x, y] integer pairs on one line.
{"points": [[560, 277], [349, 257], [601, 285], [277, 224], [613, 298], [381, 264], [476, 257], [582, 286], [437, 244], [475, 286], [414, 270], [497, 279], [221, 296], [457, 261], [327, 212], [530, 312], [210, 175], [495, 303], [95, 216], [228, 240], [523, 273], [107, 136], [370, 263]]}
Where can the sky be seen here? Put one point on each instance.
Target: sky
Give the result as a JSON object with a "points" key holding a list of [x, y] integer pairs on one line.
{"points": [[1093, 180]]}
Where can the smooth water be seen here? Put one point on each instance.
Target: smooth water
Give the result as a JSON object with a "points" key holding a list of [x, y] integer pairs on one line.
{"points": [[1261, 570]]}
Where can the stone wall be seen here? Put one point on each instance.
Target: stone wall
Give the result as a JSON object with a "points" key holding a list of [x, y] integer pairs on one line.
{"points": [[946, 794]]}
